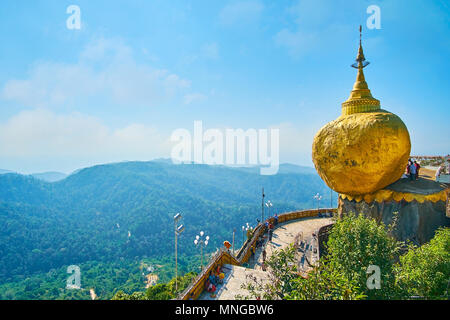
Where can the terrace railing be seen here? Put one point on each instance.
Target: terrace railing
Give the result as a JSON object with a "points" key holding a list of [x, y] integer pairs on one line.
{"points": [[224, 256]]}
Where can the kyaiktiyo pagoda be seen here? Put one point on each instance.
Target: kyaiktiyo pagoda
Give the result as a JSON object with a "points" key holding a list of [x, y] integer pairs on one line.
{"points": [[363, 154]]}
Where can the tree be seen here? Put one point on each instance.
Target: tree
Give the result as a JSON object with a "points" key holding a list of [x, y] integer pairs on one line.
{"points": [[282, 270], [160, 291], [325, 283], [357, 242], [120, 295], [425, 271], [285, 282]]}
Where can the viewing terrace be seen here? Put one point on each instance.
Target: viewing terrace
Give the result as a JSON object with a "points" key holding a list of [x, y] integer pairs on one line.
{"points": [[300, 228]]}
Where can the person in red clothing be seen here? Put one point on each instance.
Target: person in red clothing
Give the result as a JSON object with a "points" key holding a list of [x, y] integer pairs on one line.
{"points": [[417, 169]]}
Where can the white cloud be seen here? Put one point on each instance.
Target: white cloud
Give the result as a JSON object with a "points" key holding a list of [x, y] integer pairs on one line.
{"points": [[106, 69], [194, 97], [40, 140], [42, 133], [242, 12]]}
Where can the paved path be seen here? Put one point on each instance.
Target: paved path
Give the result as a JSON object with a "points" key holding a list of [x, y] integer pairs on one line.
{"points": [[235, 276], [284, 234]]}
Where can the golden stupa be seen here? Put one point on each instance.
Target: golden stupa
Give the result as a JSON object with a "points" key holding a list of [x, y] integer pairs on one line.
{"points": [[366, 148]]}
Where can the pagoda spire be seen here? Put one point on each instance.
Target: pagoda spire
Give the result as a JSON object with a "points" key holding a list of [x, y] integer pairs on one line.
{"points": [[360, 57], [360, 99]]}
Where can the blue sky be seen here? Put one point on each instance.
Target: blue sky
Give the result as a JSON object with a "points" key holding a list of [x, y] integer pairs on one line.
{"points": [[137, 70]]}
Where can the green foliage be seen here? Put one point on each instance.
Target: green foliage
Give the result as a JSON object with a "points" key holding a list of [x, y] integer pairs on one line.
{"points": [[87, 217], [120, 295], [425, 271], [324, 282], [105, 279], [285, 282], [167, 291], [160, 291], [355, 243], [282, 271]]}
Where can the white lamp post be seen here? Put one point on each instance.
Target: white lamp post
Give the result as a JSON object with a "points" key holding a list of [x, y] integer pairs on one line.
{"points": [[268, 205], [244, 229], [318, 197], [202, 242], [178, 230]]}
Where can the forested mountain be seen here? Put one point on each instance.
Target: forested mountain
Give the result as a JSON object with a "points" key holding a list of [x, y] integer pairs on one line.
{"points": [[50, 176], [108, 213]]}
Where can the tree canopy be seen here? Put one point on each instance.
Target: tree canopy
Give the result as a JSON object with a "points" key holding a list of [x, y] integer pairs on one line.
{"points": [[354, 244]]}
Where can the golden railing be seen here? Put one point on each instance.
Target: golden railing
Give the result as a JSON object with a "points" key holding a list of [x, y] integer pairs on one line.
{"points": [[194, 290]]}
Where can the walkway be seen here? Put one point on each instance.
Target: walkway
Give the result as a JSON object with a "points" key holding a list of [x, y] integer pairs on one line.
{"points": [[235, 276], [284, 234]]}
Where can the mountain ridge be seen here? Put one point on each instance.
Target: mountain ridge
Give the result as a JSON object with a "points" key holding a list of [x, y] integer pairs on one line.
{"points": [[46, 225]]}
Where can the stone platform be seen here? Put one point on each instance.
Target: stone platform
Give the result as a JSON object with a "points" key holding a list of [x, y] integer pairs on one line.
{"points": [[420, 206], [285, 233], [235, 276]]}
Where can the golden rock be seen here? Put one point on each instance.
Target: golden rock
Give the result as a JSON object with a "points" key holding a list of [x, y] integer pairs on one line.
{"points": [[366, 148], [362, 152]]}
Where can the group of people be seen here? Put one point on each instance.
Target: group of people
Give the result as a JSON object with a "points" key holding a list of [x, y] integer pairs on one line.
{"points": [[270, 226], [214, 279], [260, 242], [412, 170], [442, 169], [264, 255]]}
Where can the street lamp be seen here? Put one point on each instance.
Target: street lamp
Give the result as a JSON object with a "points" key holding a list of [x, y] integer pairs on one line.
{"points": [[268, 205], [199, 241], [262, 206], [318, 197], [178, 230], [234, 233], [244, 229]]}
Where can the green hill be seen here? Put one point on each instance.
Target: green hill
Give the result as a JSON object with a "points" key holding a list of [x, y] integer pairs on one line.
{"points": [[123, 211], [50, 176]]}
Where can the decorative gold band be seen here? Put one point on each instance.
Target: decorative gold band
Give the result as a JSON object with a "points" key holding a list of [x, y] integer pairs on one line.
{"points": [[360, 105], [389, 195]]}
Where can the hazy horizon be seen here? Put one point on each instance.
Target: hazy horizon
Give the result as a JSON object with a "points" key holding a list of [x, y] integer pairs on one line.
{"points": [[125, 161], [116, 88]]}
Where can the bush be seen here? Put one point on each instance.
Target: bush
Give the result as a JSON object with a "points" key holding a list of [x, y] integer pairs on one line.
{"points": [[425, 271], [355, 243]]}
